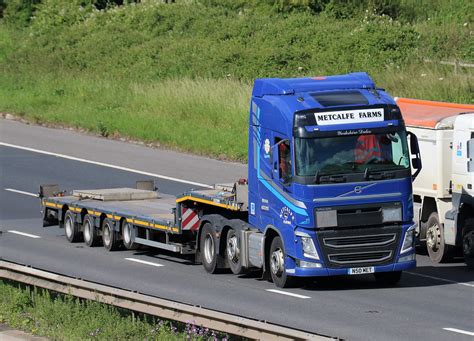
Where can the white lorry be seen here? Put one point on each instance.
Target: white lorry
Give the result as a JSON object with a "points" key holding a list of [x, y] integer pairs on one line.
{"points": [[443, 195]]}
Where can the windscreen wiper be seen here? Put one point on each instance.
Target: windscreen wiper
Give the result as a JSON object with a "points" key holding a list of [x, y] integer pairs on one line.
{"points": [[333, 178], [380, 175]]}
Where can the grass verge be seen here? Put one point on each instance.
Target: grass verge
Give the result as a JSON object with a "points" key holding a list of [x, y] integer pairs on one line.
{"points": [[202, 116], [63, 317]]}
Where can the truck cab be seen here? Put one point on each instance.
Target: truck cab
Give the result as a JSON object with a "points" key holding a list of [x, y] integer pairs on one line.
{"points": [[330, 177]]}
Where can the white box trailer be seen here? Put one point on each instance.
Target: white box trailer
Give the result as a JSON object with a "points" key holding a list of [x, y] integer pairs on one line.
{"points": [[442, 193]]}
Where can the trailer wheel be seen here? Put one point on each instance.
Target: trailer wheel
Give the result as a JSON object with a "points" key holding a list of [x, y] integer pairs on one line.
{"points": [[468, 243], [109, 236], [388, 279], [233, 248], [71, 227], [91, 238], [437, 250], [127, 229], [208, 244], [277, 265]]}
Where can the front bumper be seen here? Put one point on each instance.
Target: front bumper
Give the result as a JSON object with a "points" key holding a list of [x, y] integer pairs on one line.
{"points": [[317, 272]]}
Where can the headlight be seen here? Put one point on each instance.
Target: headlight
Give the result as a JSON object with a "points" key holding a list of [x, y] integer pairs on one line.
{"points": [[309, 250], [409, 239], [305, 264], [390, 214]]}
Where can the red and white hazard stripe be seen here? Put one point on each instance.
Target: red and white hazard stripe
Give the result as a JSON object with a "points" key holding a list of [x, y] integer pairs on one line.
{"points": [[189, 219]]}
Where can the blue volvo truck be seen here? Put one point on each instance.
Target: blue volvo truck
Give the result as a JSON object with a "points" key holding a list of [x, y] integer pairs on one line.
{"points": [[328, 192]]}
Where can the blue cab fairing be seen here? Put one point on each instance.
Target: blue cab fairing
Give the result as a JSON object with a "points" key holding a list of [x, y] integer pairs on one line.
{"points": [[289, 208]]}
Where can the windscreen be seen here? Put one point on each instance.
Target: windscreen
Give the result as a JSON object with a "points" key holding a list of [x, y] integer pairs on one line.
{"points": [[351, 154]]}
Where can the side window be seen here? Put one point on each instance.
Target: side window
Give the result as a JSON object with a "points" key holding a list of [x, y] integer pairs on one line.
{"points": [[284, 160]]}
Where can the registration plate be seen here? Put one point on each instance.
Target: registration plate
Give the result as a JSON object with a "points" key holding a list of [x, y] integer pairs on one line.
{"points": [[361, 271]]}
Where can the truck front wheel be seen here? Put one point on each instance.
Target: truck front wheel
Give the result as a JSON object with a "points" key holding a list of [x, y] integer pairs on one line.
{"points": [[437, 250], [277, 265], [208, 242], [468, 243]]}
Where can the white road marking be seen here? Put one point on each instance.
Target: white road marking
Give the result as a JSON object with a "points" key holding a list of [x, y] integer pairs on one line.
{"points": [[143, 262], [287, 293], [21, 192], [106, 165], [460, 331], [23, 234], [440, 279]]}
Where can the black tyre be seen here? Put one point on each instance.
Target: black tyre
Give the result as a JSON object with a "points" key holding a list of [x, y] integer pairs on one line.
{"points": [[438, 251], [277, 265], [388, 278], [468, 242], [91, 237], [233, 254], [208, 242], [71, 227], [109, 236], [127, 232]]}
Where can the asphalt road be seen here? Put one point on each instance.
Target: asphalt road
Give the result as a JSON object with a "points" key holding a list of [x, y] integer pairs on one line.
{"points": [[434, 302]]}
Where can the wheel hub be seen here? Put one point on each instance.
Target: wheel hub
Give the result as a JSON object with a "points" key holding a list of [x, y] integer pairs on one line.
{"points": [[87, 232], [106, 235], [126, 233], [209, 249], [68, 227], [433, 237], [233, 248], [277, 262]]}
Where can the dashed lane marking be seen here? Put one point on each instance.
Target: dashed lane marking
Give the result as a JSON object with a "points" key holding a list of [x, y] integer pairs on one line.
{"points": [[440, 279], [68, 157], [460, 331], [23, 234], [143, 262], [21, 192], [287, 293]]}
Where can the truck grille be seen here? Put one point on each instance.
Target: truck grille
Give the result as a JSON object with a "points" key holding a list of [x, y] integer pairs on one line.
{"points": [[360, 257], [358, 241], [359, 246]]}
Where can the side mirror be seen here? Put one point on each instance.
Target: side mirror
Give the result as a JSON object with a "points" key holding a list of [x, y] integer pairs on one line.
{"points": [[415, 150], [414, 147]]}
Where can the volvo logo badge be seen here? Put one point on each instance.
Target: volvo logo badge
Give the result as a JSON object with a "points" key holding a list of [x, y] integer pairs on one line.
{"points": [[358, 189]]}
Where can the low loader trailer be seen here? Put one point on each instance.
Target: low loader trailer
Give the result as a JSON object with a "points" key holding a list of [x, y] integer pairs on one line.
{"points": [[328, 192]]}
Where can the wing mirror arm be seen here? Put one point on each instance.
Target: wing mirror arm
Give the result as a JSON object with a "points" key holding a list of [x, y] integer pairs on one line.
{"points": [[415, 150]]}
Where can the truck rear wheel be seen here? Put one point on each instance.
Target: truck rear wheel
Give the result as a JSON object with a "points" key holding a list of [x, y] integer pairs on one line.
{"points": [[109, 236], [127, 230], [71, 227], [91, 238], [468, 243], [277, 265], [208, 242], [437, 250], [233, 248]]}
